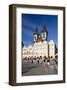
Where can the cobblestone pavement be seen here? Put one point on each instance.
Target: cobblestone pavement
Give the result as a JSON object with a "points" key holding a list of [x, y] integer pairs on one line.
{"points": [[29, 69]]}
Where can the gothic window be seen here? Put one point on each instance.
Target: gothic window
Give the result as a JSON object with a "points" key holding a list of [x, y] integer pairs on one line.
{"points": [[43, 35], [35, 37]]}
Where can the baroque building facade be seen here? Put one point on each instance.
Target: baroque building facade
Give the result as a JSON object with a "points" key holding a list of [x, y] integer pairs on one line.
{"points": [[41, 46]]}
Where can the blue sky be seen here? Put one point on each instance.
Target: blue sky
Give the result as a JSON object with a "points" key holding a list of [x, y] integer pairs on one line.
{"points": [[29, 21]]}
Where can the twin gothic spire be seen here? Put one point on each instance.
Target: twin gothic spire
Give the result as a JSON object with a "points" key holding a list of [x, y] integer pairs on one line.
{"points": [[43, 36]]}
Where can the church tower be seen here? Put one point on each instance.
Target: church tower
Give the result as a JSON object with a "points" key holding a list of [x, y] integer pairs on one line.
{"points": [[44, 33], [36, 35]]}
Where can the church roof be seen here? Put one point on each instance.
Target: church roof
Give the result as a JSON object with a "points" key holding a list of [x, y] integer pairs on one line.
{"points": [[44, 29], [36, 30]]}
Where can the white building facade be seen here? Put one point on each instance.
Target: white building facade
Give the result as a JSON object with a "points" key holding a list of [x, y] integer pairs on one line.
{"points": [[41, 46]]}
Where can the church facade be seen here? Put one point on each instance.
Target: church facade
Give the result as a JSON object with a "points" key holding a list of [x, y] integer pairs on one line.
{"points": [[41, 46]]}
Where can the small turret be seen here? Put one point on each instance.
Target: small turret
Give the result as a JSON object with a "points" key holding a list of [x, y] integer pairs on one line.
{"points": [[22, 44]]}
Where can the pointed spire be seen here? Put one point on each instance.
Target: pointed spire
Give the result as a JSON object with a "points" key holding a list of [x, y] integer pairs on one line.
{"points": [[44, 29], [36, 30]]}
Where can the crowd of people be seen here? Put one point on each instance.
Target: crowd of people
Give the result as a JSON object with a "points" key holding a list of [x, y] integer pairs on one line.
{"points": [[37, 59]]}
